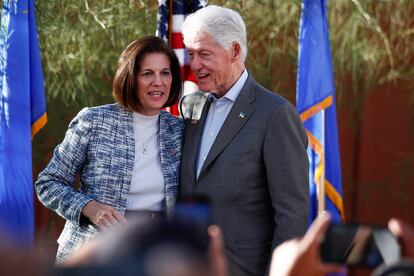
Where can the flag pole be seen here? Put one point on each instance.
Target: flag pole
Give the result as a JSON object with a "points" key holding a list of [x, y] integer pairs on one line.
{"points": [[321, 182]]}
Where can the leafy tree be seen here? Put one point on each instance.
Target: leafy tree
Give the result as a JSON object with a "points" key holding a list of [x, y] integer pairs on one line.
{"points": [[81, 42]]}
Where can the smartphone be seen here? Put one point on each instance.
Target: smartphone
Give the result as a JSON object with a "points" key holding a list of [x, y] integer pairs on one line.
{"points": [[195, 210], [359, 245]]}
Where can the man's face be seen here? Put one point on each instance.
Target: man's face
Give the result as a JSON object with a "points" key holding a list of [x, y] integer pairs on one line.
{"points": [[212, 64]]}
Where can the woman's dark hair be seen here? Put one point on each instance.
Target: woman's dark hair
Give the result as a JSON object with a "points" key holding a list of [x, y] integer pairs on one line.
{"points": [[124, 87]]}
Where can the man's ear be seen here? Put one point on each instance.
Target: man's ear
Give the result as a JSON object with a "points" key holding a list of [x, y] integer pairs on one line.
{"points": [[235, 51]]}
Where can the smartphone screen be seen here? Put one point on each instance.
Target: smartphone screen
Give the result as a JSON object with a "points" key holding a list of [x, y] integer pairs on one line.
{"points": [[359, 245], [194, 209]]}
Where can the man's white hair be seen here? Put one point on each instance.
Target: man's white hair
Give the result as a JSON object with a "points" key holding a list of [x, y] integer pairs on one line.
{"points": [[224, 25]]}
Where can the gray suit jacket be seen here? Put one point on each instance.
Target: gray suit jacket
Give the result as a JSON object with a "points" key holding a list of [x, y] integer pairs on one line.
{"points": [[256, 175]]}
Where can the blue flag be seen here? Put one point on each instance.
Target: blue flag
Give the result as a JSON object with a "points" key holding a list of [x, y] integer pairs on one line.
{"points": [[316, 106], [22, 114]]}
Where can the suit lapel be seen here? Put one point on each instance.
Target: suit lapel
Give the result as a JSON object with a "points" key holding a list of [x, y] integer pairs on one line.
{"points": [[238, 116], [167, 150], [165, 137], [195, 129]]}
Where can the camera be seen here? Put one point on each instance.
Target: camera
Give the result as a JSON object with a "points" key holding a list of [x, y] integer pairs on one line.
{"points": [[359, 245]]}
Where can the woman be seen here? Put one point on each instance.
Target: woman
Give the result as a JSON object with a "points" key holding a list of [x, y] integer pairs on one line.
{"points": [[127, 154]]}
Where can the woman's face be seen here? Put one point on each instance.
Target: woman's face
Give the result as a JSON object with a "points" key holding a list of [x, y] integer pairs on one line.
{"points": [[153, 83]]}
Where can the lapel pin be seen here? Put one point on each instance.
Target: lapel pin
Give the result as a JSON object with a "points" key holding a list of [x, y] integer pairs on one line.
{"points": [[242, 115]]}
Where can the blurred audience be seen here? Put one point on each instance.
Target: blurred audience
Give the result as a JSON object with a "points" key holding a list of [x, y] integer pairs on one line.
{"points": [[160, 248], [23, 261], [152, 248]]}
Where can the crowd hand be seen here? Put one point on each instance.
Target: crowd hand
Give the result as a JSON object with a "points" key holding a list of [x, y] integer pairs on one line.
{"points": [[84, 256], [302, 256], [216, 256], [405, 233], [104, 216]]}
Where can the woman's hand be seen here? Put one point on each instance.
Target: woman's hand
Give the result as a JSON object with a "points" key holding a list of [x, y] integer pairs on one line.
{"points": [[103, 216]]}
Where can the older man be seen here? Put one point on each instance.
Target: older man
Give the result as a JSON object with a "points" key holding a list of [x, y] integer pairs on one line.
{"points": [[246, 150]]}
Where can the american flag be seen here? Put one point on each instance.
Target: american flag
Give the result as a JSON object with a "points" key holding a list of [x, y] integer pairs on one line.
{"points": [[171, 15]]}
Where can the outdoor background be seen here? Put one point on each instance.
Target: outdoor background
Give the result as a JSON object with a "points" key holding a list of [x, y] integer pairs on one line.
{"points": [[373, 62]]}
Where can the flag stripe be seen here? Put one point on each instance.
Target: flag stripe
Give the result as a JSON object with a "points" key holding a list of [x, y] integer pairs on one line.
{"points": [[177, 21], [311, 111], [177, 42], [335, 197], [39, 124]]}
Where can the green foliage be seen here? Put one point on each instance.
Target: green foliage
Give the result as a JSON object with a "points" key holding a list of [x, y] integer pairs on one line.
{"points": [[370, 42], [371, 45], [81, 42]]}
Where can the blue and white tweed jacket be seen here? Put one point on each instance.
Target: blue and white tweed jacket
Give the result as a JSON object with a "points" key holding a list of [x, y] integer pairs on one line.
{"points": [[99, 145]]}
